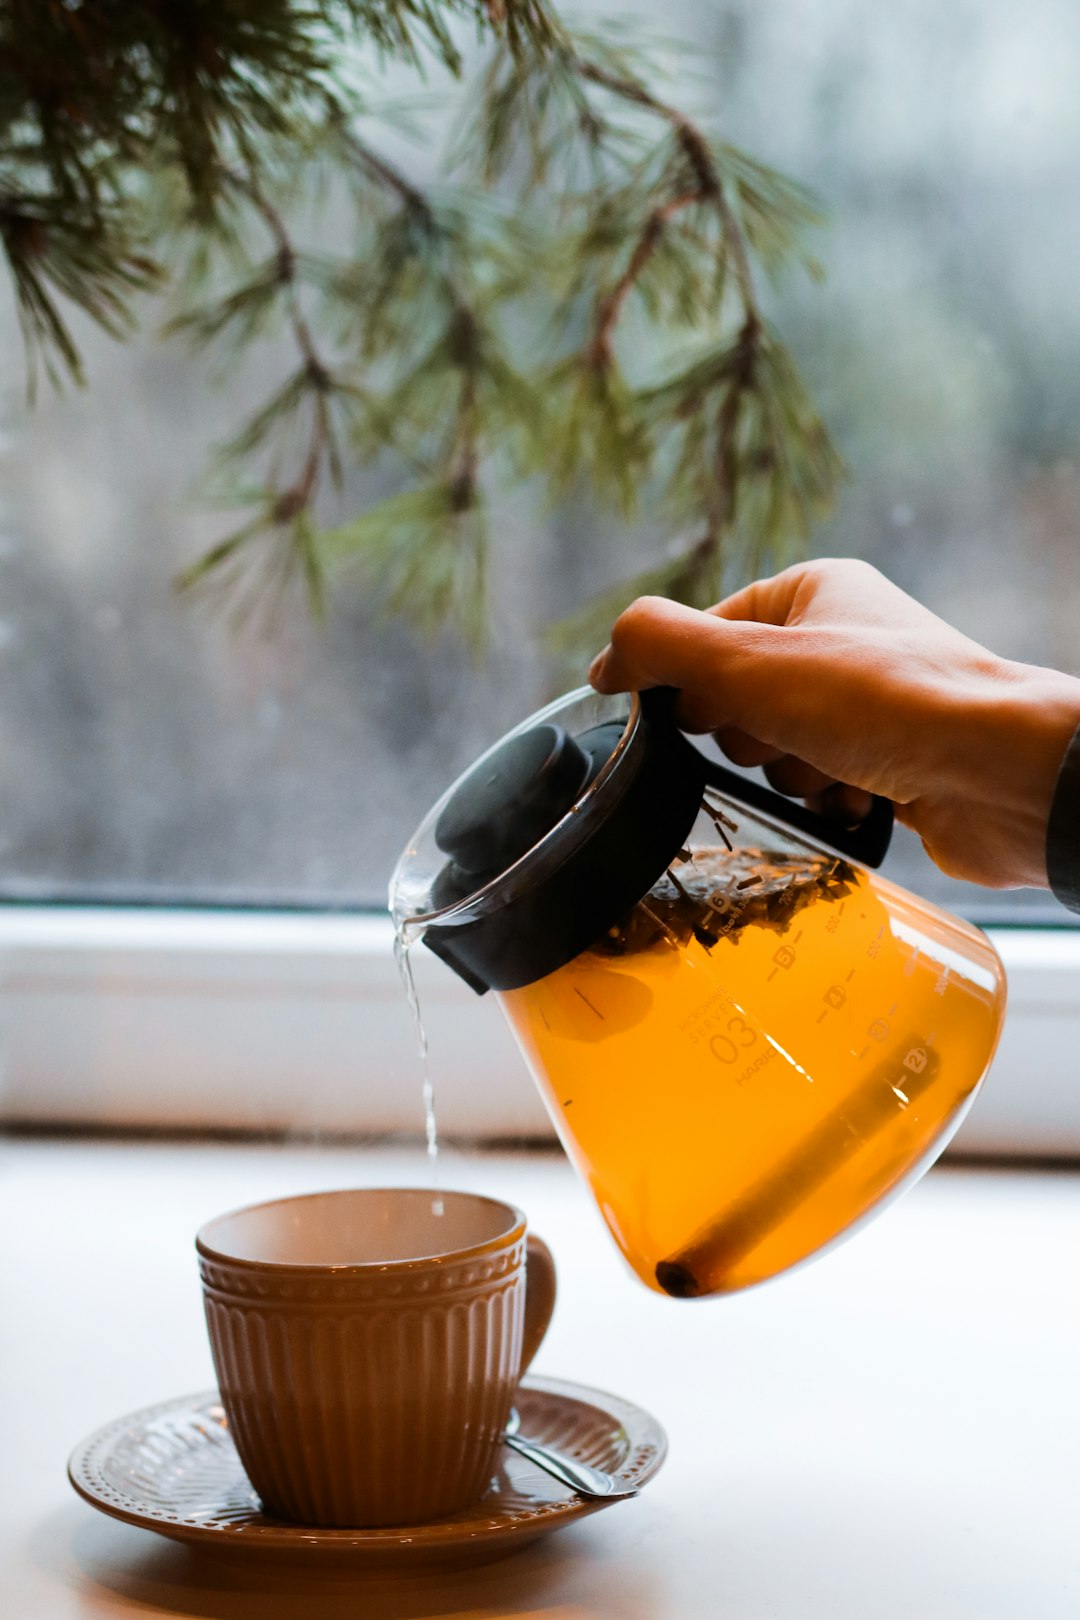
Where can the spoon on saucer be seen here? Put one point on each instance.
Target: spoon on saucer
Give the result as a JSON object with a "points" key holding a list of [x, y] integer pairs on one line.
{"points": [[581, 1477]]}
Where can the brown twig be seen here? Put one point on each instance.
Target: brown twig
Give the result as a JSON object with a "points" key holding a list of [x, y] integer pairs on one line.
{"points": [[387, 174], [723, 493], [463, 477], [465, 458], [610, 308], [299, 495], [294, 500], [464, 465], [695, 146], [708, 188]]}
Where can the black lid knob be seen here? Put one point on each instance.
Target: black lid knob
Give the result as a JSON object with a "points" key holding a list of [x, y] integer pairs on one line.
{"points": [[509, 802]]}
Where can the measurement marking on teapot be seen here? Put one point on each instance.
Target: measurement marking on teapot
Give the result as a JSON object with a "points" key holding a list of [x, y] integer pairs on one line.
{"points": [[834, 998], [725, 1048], [703, 1015], [784, 957], [579, 992], [753, 1068]]}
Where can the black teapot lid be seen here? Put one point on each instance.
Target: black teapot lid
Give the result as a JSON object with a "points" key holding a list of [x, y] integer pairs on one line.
{"points": [[559, 830]]}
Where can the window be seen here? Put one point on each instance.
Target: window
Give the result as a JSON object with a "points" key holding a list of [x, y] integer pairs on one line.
{"points": [[150, 755]]}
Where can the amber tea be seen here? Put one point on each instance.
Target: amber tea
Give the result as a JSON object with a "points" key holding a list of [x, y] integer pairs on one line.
{"points": [[767, 1047], [748, 1041]]}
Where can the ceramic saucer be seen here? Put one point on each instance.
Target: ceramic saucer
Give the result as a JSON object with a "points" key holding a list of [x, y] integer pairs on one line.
{"points": [[173, 1468]]}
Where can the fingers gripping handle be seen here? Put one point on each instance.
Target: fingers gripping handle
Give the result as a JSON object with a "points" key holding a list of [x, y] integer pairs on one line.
{"points": [[539, 1297], [867, 841]]}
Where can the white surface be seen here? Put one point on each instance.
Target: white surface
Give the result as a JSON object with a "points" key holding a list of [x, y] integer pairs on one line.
{"points": [[297, 1022], [890, 1434]]}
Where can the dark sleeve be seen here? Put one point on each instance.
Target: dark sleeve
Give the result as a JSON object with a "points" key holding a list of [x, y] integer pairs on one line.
{"points": [[1063, 830]]}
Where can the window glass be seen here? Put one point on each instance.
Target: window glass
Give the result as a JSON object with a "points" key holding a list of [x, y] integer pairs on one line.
{"points": [[150, 752]]}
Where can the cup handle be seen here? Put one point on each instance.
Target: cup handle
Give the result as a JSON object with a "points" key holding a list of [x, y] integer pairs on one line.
{"points": [[539, 1296]]}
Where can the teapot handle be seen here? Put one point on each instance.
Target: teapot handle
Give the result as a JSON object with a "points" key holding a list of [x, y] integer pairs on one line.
{"points": [[866, 842]]}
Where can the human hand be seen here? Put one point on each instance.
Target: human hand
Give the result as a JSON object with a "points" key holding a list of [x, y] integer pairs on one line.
{"points": [[829, 674]]}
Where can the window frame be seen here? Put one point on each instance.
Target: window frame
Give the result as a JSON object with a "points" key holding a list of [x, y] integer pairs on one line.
{"points": [[149, 1018]]}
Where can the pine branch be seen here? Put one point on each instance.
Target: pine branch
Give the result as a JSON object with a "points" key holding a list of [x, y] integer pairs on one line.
{"points": [[423, 556], [54, 256], [483, 328], [285, 507], [453, 393], [708, 190], [611, 306], [710, 211]]}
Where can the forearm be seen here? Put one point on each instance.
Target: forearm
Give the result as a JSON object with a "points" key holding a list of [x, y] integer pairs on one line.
{"points": [[1010, 736]]}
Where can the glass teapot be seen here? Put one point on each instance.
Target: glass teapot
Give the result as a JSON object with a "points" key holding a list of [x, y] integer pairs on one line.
{"points": [[746, 1040]]}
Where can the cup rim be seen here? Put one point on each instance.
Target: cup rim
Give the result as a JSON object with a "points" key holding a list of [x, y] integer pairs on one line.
{"points": [[515, 1229]]}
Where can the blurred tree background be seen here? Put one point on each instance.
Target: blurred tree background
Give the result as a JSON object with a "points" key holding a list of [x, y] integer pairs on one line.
{"points": [[467, 330], [151, 750]]}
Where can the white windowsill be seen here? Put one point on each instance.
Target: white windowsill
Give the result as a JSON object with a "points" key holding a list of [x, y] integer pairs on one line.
{"points": [[297, 1022]]}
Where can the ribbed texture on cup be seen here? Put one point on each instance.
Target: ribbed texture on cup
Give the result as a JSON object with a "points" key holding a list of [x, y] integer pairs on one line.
{"points": [[374, 1413]]}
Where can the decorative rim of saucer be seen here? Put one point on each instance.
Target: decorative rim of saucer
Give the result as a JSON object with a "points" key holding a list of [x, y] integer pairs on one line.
{"points": [[240, 1523]]}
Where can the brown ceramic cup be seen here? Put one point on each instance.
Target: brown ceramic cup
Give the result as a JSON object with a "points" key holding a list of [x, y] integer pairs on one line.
{"points": [[368, 1346]]}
